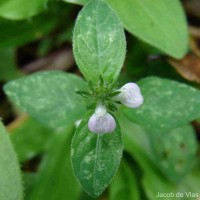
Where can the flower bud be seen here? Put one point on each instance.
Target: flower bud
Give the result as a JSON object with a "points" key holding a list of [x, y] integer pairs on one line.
{"points": [[130, 95], [101, 121]]}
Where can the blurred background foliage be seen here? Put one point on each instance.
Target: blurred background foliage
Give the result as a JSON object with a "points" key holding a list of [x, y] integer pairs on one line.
{"points": [[37, 35]]}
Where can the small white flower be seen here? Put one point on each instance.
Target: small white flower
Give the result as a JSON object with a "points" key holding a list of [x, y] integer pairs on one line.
{"points": [[101, 121], [130, 95]]}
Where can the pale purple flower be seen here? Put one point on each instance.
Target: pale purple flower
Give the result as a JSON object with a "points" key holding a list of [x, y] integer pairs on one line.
{"points": [[130, 95], [101, 121]]}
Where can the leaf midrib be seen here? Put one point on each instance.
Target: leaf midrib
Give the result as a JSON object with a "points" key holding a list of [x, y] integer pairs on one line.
{"points": [[97, 36], [96, 162]]}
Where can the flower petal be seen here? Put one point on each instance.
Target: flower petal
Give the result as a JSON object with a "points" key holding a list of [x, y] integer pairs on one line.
{"points": [[101, 124], [131, 95]]}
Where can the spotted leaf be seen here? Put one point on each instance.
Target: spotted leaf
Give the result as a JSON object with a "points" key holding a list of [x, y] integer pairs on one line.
{"points": [[95, 158], [167, 104], [50, 97], [99, 42]]}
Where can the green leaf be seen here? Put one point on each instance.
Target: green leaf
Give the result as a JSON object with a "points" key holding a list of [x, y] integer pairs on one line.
{"points": [[8, 65], [95, 158], [174, 152], [99, 42], [10, 181], [137, 143], [29, 138], [85, 196], [124, 185], [21, 9], [14, 33], [50, 97], [159, 23], [154, 183], [167, 104], [55, 179], [29, 179]]}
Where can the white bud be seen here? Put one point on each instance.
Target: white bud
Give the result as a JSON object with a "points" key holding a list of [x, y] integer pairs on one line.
{"points": [[101, 121], [130, 95]]}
